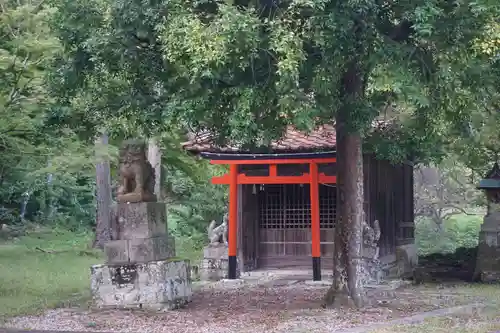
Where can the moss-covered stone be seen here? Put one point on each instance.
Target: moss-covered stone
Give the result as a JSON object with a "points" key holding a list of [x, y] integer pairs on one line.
{"points": [[156, 285]]}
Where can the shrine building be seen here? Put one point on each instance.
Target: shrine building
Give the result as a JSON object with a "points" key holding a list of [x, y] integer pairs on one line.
{"points": [[282, 203]]}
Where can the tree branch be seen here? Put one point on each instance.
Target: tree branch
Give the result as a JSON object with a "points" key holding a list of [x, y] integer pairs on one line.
{"points": [[401, 32]]}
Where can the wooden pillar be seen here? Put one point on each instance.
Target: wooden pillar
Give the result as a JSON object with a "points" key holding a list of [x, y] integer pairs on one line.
{"points": [[315, 225], [241, 248], [233, 221]]}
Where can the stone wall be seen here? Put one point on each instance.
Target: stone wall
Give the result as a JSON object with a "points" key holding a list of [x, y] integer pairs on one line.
{"points": [[158, 285]]}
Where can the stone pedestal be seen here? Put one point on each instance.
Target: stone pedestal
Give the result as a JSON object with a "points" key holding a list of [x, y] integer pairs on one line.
{"points": [[140, 220], [139, 271], [371, 271], [139, 234], [215, 263], [156, 285], [488, 254], [371, 267], [406, 260], [139, 250]]}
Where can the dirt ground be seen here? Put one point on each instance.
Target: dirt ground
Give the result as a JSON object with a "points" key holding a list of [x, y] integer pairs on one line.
{"points": [[292, 307]]}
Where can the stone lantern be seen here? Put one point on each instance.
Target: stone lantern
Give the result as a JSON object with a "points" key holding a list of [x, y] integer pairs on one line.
{"points": [[488, 254]]}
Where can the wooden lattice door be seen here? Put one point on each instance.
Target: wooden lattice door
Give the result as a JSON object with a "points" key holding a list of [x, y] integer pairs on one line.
{"points": [[285, 224]]}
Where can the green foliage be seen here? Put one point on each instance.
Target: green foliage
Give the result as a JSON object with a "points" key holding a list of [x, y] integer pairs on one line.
{"points": [[246, 69], [31, 153], [290, 64], [112, 75], [195, 202], [458, 231], [477, 146], [111, 72]]}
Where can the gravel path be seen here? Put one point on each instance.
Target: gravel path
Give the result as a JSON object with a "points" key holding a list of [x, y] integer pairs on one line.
{"points": [[273, 309]]}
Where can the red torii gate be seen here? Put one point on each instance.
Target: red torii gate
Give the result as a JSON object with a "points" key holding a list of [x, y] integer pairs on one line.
{"points": [[234, 178]]}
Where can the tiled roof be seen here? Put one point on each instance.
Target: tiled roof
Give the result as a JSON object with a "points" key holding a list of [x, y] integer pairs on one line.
{"points": [[321, 138]]}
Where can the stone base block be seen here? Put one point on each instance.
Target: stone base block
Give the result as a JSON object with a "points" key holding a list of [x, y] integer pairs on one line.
{"points": [[215, 264], [140, 220], [371, 271], [406, 260], [215, 252], [488, 257], [157, 285], [139, 250], [215, 270]]}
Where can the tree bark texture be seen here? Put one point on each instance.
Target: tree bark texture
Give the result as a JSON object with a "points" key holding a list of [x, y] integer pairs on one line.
{"points": [[351, 200], [103, 193], [338, 293], [350, 203], [154, 157]]}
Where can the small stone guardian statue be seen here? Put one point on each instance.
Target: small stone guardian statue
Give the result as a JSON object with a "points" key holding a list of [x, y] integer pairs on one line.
{"points": [[371, 236], [218, 235], [137, 178], [215, 255]]}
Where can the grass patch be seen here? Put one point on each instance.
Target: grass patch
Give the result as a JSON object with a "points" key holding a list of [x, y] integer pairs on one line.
{"points": [[50, 268], [187, 248], [485, 320], [477, 320], [44, 269]]}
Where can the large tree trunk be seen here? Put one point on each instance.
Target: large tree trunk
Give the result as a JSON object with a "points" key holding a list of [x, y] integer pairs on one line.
{"points": [[338, 293], [351, 200], [103, 184], [347, 286]]}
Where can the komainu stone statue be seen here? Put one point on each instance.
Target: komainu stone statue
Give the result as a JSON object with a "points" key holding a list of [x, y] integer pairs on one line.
{"points": [[215, 262], [137, 178], [371, 236], [218, 235], [140, 269], [371, 264]]}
